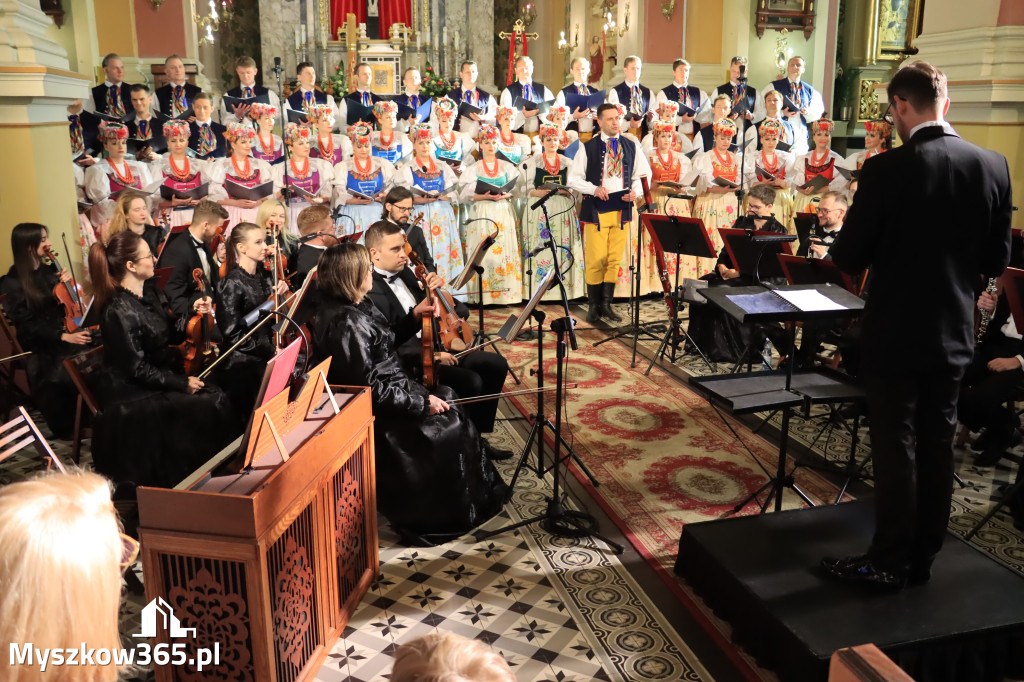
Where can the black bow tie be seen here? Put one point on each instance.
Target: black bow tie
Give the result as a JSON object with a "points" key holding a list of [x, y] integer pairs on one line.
{"points": [[391, 278]]}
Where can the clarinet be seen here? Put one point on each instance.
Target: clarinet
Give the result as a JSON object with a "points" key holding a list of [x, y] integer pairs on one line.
{"points": [[986, 315]]}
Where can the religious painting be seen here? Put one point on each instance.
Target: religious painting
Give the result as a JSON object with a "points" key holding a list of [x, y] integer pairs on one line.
{"points": [[898, 26], [383, 80]]}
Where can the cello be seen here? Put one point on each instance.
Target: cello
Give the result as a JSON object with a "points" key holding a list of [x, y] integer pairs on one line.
{"points": [[68, 294], [198, 350]]}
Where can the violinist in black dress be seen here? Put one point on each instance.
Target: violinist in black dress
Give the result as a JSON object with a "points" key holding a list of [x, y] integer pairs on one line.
{"points": [[156, 425], [245, 287], [38, 320], [433, 482]]}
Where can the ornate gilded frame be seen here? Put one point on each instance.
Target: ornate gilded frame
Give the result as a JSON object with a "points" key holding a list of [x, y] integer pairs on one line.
{"points": [[892, 33]]}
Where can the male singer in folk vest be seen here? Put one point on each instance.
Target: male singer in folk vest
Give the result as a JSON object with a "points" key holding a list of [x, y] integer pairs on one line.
{"points": [[635, 97], [113, 97], [582, 119], [687, 95], [306, 96], [176, 97], [607, 163], [737, 90], [526, 121], [247, 88], [470, 93], [806, 98]]}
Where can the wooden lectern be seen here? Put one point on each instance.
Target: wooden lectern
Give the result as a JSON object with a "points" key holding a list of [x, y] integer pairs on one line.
{"points": [[269, 563]]}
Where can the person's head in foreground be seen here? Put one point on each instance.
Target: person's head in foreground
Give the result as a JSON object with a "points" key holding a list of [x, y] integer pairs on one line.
{"points": [[444, 657]]}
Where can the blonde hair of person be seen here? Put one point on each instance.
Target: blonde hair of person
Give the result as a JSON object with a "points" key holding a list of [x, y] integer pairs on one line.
{"points": [[287, 238], [445, 657], [60, 573], [119, 221]]}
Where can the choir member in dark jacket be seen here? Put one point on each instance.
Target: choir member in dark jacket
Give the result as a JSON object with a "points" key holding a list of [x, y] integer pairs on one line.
{"points": [[246, 286], [38, 320], [433, 482], [156, 424]]}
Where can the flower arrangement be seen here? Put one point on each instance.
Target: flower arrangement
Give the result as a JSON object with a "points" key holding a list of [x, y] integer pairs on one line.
{"points": [[433, 84], [337, 83]]}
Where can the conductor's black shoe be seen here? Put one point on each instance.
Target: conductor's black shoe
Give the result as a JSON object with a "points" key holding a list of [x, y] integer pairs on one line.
{"points": [[608, 291], [919, 572], [593, 303], [860, 570], [494, 454]]}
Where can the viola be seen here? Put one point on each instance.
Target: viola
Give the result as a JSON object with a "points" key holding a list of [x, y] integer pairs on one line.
{"points": [[659, 255], [69, 294], [453, 333], [198, 349]]}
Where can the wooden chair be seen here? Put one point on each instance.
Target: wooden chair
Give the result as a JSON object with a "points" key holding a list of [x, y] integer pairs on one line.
{"points": [[81, 368], [21, 432], [14, 388]]}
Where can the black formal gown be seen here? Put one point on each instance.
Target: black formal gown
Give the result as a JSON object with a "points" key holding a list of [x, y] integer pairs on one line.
{"points": [[433, 482], [150, 431], [242, 372], [39, 328]]}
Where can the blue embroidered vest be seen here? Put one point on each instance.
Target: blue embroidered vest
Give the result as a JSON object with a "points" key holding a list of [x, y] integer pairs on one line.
{"points": [[595, 174]]}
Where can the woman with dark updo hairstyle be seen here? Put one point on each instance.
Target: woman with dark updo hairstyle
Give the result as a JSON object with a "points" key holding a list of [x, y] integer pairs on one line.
{"points": [[156, 425]]}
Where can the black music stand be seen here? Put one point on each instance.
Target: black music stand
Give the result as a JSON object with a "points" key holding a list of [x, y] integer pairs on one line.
{"points": [[806, 226], [681, 236], [761, 391], [800, 270]]}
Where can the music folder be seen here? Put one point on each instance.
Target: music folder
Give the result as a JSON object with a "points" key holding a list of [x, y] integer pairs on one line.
{"points": [[528, 105], [845, 172], [816, 183], [422, 112], [420, 192], [723, 182], [237, 191], [185, 115], [232, 102], [741, 107], [575, 101], [616, 202], [356, 111], [764, 175], [787, 103], [300, 117], [199, 192], [744, 251], [484, 187], [690, 111], [783, 146], [465, 109]]}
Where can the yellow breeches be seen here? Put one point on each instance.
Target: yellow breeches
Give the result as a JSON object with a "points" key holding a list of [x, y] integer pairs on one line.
{"points": [[603, 246]]}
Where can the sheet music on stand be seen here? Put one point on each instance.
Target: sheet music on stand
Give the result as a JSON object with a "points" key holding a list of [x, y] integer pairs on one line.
{"points": [[786, 303], [479, 251], [754, 251], [513, 325]]}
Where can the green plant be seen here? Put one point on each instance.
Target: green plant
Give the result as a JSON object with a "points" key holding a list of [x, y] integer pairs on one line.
{"points": [[433, 84], [337, 83], [846, 80]]}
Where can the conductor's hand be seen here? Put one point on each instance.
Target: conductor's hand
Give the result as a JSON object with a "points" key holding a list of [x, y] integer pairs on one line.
{"points": [[1003, 364], [601, 193], [986, 301], [437, 406], [422, 308], [194, 384], [447, 359]]}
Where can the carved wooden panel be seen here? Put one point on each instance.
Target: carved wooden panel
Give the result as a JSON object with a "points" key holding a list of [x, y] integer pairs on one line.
{"points": [[352, 556]]}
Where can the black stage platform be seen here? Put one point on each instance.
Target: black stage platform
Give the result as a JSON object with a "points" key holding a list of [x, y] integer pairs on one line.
{"points": [[759, 573]]}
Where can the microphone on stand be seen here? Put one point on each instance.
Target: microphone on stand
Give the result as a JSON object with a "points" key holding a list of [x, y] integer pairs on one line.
{"points": [[556, 188]]}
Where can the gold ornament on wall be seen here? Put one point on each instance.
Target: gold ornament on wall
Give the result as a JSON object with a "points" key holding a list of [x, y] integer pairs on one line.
{"points": [[567, 47], [668, 8], [868, 109]]}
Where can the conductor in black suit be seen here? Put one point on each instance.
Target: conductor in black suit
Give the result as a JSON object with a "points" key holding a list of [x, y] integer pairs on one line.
{"points": [[189, 250], [397, 293], [932, 221]]}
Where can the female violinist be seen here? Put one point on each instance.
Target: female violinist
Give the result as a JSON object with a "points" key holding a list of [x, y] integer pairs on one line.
{"points": [[156, 424], [821, 160], [268, 146], [716, 204], [39, 321], [114, 173], [180, 172], [503, 264], [433, 482], [271, 216], [313, 176], [242, 169], [363, 173], [132, 213], [389, 144], [244, 288], [550, 166], [436, 213]]}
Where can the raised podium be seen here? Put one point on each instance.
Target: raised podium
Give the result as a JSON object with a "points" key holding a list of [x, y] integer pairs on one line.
{"points": [[268, 548]]}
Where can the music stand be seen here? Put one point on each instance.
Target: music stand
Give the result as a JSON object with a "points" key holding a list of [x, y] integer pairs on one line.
{"points": [[748, 250], [800, 270], [806, 225], [674, 234]]}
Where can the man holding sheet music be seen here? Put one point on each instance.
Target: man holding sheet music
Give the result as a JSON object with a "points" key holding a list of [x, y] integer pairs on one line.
{"points": [[807, 100], [524, 95], [247, 91], [606, 171], [572, 95], [691, 98], [480, 101], [928, 257]]}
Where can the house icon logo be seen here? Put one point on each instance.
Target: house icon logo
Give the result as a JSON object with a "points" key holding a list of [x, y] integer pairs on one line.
{"points": [[160, 609]]}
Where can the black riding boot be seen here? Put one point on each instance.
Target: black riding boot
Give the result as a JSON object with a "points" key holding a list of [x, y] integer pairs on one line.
{"points": [[606, 304], [593, 303]]}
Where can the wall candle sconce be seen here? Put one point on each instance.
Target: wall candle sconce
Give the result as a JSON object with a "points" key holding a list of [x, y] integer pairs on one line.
{"points": [[668, 8], [565, 46], [609, 24]]}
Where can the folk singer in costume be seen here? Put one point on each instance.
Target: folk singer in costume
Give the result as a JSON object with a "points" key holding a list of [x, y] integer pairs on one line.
{"points": [[582, 119], [685, 95], [821, 160], [314, 176], [239, 169], [179, 172], [268, 146], [143, 124], [307, 95], [453, 148], [558, 116], [502, 278], [717, 205], [433, 482], [526, 121], [113, 96], [668, 165], [778, 165], [544, 167], [773, 112], [607, 163], [514, 146], [471, 94], [178, 95], [435, 212], [807, 99], [389, 144], [877, 139], [114, 173], [638, 99], [363, 173], [245, 68], [207, 140], [667, 114], [411, 97], [328, 146], [737, 90]]}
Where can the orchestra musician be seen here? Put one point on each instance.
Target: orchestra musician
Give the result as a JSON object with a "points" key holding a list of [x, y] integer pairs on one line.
{"points": [[39, 321], [271, 216], [189, 250], [399, 295], [316, 231], [433, 482], [132, 213], [156, 425], [398, 210]]}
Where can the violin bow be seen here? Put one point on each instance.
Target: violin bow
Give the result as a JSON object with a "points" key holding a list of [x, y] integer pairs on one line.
{"points": [[493, 396]]}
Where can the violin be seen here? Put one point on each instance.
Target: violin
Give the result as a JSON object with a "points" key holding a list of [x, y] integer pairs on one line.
{"points": [[659, 255], [427, 332], [68, 294], [454, 333], [199, 351]]}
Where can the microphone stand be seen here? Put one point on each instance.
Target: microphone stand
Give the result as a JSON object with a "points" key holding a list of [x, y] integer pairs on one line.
{"points": [[557, 520], [286, 190]]}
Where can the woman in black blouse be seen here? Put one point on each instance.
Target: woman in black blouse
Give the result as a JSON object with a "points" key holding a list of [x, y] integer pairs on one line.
{"points": [[156, 425], [433, 482], [38, 320]]}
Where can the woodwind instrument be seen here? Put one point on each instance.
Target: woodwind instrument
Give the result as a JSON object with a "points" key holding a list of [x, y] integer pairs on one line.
{"points": [[986, 315]]}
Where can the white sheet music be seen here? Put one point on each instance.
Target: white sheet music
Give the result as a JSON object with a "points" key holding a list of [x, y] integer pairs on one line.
{"points": [[810, 301]]}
